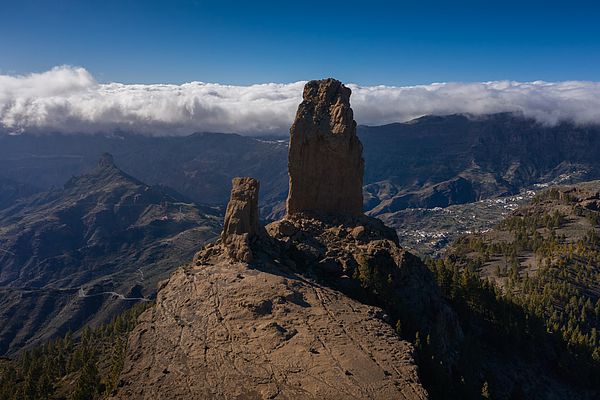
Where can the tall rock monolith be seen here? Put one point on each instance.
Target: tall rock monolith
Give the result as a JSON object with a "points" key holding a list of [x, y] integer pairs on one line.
{"points": [[325, 161]]}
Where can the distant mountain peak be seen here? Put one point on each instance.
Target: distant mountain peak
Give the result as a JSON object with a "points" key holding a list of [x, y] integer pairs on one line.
{"points": [[106, 160], [106, 173]]}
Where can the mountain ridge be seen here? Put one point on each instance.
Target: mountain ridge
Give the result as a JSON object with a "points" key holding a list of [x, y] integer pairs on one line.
{"points": [[491, 152], [65, 251]]}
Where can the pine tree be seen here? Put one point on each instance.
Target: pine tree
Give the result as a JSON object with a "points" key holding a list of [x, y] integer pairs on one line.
{"points": [[88, 382]]}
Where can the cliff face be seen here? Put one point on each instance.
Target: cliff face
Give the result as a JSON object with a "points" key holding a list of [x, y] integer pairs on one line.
{"points": [[325, 155]]}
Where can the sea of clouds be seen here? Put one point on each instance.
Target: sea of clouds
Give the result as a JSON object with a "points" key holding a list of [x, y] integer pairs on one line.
{"points": [[69, 100]]}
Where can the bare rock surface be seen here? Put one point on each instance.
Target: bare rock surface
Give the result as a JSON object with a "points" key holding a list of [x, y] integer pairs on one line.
{"points": [[227, 331], [325, 156]]}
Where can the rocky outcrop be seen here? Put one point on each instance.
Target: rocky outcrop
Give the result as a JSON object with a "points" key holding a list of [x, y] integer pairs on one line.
{"points": [[325, 156], [241, 219], [294, 323]]}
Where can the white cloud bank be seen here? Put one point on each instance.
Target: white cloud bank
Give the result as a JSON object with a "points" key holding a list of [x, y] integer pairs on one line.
{"points": [[69, 100]]}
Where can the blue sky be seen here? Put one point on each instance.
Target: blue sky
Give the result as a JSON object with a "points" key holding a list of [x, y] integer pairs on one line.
{"points": [[368, 42]]}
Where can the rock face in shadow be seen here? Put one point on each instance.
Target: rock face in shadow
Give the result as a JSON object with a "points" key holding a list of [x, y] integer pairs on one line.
{"points": [[241, 218], [325, 156]]}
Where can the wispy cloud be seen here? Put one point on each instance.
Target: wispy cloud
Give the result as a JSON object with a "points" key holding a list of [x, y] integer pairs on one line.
{"points": [[70, 100]]}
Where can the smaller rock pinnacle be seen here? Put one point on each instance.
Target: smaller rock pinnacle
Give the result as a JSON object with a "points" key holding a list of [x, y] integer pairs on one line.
{"points": [[241, 218], [106, 160]]}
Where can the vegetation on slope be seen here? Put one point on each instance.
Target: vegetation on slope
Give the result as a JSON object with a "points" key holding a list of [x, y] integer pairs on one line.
{"points": [[68, 368], [530, 289], [474, 337], [559, 281], [501, 329]]}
